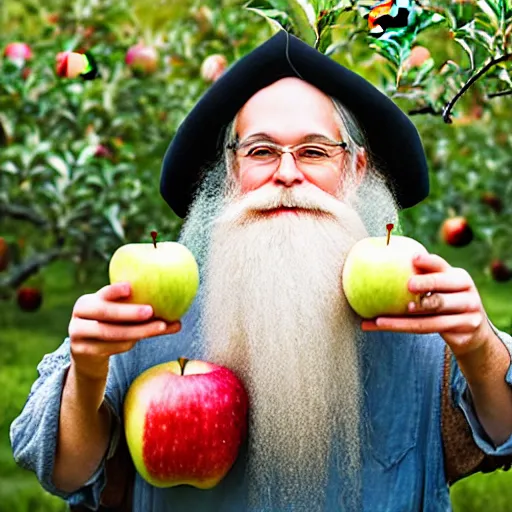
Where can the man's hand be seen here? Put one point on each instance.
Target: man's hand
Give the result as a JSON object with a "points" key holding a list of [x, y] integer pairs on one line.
{"points": [[103, 324], [450, 306]]}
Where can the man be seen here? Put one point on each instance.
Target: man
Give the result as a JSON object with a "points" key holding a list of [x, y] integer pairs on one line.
{"points": [[283, 165]]}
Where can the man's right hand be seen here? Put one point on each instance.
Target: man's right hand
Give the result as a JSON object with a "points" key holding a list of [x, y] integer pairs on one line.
{"points": [[104, 324]]}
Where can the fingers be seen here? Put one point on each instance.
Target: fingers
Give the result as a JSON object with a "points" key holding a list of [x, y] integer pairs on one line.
{"points": [[430, 263], [452, 280], [461, 302], [459, 323], [114, 341], [116, 291], [80, 328], [95, 307]]}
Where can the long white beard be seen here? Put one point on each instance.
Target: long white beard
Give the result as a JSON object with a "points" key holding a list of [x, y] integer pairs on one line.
{"points": [[275, 313]]}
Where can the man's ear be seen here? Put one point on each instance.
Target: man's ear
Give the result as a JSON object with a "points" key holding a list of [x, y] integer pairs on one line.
{"points": [[361, 166]]}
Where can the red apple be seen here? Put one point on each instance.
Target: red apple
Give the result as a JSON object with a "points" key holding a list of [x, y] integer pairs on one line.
{"points": [[185, 422], [500, 271], [29, 298], [142, 58], [456, 231], [213, 67], [492, 200], [70, 64], [4, 254], [18, 53], [418, 55], [102, 152]]}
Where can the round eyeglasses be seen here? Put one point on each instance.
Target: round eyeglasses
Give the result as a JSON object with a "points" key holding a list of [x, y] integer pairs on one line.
{"points": [[307, 155]]}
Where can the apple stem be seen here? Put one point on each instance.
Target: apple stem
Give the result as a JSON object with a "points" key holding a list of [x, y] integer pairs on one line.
{"points": [[389, 228], [153, 236], [182, 361]]}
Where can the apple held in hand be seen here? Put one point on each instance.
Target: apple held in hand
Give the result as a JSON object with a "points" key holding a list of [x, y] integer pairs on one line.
{"points": [[376, 274], [164, 275], [185, 422]]}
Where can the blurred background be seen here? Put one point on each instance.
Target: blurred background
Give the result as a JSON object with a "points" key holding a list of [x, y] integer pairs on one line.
{"points": [[92, 91]]}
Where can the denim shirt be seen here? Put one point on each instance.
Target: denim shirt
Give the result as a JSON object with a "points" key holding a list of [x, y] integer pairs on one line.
{"points": [[403, 467]]}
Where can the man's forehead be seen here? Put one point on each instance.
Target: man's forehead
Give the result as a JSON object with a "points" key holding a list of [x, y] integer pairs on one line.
{"points": [[288, 106], [288, 88]]}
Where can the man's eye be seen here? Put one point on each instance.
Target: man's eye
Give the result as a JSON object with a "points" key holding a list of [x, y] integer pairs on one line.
{"points": [[313, 152], [261, 152]]}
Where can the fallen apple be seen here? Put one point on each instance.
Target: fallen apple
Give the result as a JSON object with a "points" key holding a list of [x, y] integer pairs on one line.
{"points": [[376, 273], [163, 275], [185, 421]]}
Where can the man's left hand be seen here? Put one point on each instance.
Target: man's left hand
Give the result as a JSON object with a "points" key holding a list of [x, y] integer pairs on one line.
{"points": [[450, 305]]}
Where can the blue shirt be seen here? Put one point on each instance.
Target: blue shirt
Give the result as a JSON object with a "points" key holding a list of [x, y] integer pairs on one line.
{"points": [[403, 466]]}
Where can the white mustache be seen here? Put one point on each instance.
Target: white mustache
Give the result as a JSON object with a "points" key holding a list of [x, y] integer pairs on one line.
{"points": [[306, 197]]}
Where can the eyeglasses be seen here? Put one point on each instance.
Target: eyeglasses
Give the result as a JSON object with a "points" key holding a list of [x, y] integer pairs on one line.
{"points": [[307, 155]]}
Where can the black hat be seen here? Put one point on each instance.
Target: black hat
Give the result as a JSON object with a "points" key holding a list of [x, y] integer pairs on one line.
{"points": [[392, 138]]}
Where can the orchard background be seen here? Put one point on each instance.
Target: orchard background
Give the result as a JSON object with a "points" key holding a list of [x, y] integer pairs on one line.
{"points": [[80, 159]]}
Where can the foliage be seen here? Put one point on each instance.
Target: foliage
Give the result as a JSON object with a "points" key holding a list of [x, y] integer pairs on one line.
{"points": [[79, 166], [461, 87], [79, 170]]}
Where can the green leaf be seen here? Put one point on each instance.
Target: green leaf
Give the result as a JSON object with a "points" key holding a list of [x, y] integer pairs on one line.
{"points": [[9, 168], [492, 11], [300, 13], [86, 153], [112, 215], [468, 50], [58, 164], [271, 15], [480, 37]]}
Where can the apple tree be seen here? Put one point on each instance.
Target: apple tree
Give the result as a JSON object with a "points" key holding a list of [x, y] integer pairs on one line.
{"points": [[80, 158]]}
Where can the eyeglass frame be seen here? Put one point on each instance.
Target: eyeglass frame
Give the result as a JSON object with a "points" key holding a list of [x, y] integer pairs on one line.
{"points": [[290, 148]]}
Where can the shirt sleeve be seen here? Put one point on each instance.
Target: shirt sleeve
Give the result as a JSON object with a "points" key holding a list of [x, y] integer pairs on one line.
{"points": [[462, 398], [33, 433]]}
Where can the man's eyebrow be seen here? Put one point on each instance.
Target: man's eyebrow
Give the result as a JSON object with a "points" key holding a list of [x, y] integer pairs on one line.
{"points": [[311, 137]]}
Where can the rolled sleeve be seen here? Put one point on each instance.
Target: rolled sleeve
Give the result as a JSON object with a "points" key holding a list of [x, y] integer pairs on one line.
{"points": [[462, 398], [33, 433]]}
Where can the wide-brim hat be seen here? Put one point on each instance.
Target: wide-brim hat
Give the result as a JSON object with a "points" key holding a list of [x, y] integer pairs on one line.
{"points": [[392, 138]]}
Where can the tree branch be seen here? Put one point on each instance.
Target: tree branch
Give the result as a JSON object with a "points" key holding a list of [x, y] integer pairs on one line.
{"points": [[507, 92], [19, 212], [424, 110], [449, 107], [26, 269]]}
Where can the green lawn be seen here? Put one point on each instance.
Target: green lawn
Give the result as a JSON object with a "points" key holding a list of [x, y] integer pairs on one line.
{"points": [[26, 337]]}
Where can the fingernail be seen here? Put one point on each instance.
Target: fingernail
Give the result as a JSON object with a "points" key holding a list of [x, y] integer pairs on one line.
{"points": [[146, 311], [162, 326], [412, 306]]}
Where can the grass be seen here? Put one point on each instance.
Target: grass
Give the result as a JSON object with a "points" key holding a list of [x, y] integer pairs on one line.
{"points": [[26, 337]]}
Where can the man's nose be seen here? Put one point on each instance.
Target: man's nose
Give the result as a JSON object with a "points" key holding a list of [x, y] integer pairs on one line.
{"points": [[287, 172]]}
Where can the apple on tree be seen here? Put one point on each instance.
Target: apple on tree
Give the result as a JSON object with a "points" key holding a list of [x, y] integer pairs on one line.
{"points": [[456, 231], [29, 298], [4, 254], [376, 274], [185, 422], [163, 275]]}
